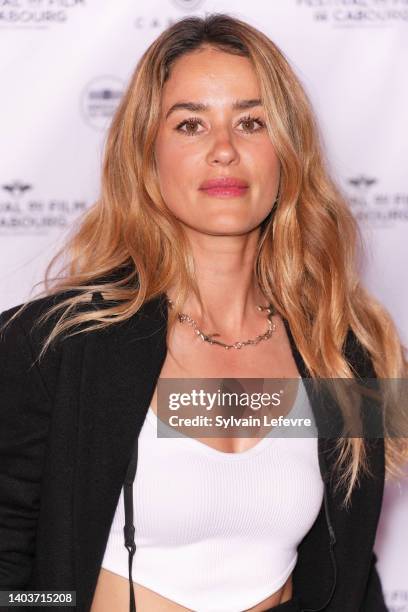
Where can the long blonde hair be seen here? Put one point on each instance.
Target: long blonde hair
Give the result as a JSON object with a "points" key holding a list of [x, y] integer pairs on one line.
{"points": [[306, 257]]}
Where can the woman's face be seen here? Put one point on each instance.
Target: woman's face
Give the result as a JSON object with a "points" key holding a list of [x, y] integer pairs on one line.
{"points": [[212, 126]]}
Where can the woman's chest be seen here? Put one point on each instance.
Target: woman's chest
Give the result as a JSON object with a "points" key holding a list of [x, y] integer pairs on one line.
{"points": [[254, 369], [207, 493]]}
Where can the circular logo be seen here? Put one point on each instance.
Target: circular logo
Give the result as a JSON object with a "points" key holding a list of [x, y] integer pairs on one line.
{"points": [[188, 5], [99, 100]]}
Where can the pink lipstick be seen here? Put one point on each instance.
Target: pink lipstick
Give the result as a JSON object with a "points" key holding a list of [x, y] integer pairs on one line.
{"points": [[224, 187]]}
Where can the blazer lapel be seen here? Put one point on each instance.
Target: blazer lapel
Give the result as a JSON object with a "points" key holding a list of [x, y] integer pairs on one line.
{"points": [[354, 531], [120, 368]]}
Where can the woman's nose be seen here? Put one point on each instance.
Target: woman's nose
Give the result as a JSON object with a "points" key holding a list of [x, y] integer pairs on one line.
{"points": [[223, 149]]}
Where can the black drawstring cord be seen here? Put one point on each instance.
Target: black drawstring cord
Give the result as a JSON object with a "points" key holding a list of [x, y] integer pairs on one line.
{"points": [[129, 529], [132, 603]]}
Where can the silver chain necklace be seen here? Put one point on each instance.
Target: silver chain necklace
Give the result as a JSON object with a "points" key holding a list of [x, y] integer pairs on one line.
{"points": [[185, 318]]}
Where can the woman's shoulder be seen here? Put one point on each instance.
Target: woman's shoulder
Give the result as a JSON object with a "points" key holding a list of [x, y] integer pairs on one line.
{"points": [[30, 317], [24, 329]]}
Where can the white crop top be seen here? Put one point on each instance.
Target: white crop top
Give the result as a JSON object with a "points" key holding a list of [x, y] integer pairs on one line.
{"points": [[218, 531]]}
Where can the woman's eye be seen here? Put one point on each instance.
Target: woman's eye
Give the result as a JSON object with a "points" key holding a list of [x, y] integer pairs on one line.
{"points": [[189, 126], [251, 121]]}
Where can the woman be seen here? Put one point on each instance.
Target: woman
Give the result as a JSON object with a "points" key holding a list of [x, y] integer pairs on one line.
{"points": [[215, 200]]}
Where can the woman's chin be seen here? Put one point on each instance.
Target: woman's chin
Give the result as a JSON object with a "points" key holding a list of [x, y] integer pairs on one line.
{"points": [[224, 229]]}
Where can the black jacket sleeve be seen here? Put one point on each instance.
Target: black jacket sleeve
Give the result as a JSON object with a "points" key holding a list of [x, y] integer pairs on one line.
{"points": [[24, 423], [374, 597]]}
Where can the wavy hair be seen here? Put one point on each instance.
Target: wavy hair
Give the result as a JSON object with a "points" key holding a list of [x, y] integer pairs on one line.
{"points": [[307, 252]]}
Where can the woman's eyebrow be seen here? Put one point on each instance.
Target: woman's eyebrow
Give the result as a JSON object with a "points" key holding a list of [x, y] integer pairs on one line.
{"points": [[198, 107]]}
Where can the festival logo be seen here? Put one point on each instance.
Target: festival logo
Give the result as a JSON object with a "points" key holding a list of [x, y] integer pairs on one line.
{"points": [[188, 5], [99, 100], [36, 14], [24, 213], [163, 21], [373, 204], [355, 13]]}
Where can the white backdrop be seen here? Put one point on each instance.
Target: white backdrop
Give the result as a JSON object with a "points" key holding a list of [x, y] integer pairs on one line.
{"points": [[64, 65]]}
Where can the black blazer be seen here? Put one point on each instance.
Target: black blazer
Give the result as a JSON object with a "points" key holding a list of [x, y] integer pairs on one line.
{"points": [[67, 429]]}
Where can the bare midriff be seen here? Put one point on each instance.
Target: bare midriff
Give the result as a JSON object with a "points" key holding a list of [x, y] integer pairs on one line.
{"points": [[112, 593], [274, 359]]}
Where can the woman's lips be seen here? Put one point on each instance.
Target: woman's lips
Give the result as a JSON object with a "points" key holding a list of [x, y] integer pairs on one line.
{"points": [[225, 192], [224, 187]]}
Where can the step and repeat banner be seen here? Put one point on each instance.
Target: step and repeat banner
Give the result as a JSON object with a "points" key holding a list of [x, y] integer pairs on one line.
{"points": [[64, 65]]}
